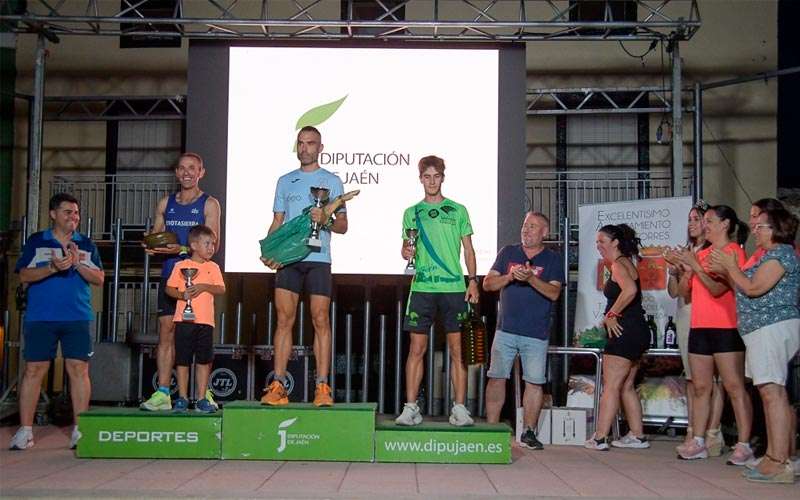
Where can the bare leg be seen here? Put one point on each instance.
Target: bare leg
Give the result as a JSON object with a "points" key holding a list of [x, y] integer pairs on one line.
{"points": [[415, 367], [495, 397], [458, 371], [286, 307], [689, 407], [320, 318], [631, 403], [165, 356], [80, 387], [776, 411], [615, 370], [201, 377], [182, 373], [717, 405], [30, 388], [731, 370], [702, 379], [532, 402]]}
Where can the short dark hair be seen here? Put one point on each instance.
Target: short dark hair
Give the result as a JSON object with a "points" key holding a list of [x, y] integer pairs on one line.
{"points": [[59, 198], [200, 230], [431, 161], [540, 215], [309, 128], [188, 154], [765, 204], [784, 225]]}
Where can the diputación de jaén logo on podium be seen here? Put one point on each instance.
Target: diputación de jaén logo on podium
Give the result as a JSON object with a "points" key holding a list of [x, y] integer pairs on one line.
{"points": [[317, 115]]}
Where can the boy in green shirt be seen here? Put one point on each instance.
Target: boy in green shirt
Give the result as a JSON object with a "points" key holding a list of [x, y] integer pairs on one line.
{"points": [[438, 288]]}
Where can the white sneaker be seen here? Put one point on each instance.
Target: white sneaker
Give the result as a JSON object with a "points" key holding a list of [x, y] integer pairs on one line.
{"points": [[22, 440], [76, 436], [795, 465], [459, 416], [410, 415], [631, 441]]}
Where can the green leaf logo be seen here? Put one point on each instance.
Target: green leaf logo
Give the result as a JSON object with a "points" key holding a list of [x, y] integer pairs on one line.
{"points": [[319, 114]]}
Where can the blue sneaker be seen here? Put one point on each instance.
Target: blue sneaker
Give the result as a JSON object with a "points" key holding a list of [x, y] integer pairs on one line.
{"points": [[204, 406], [180, 405]]}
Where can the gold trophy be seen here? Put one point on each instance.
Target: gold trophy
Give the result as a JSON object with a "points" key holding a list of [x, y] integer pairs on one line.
{"points": [[189, 273], [320, 195], [411, 235]]}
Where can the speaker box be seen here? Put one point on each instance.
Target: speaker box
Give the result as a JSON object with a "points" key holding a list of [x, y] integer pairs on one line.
{"points": [[114, 372]]}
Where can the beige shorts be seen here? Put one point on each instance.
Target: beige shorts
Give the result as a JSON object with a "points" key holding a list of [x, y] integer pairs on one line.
{"points": [[769, 350]]}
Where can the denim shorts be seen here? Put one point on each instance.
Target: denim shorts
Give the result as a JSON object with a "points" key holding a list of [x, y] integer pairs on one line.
{"points": [[532, 353]]}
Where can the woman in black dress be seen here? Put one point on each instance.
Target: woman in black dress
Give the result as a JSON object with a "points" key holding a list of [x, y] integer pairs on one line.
{"points": [[628, 338]]}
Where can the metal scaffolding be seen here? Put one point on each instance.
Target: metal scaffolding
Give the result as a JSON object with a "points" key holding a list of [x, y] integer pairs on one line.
{"points": [[439, 20]]}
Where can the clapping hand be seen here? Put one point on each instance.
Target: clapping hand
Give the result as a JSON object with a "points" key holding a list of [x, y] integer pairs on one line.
{"points": [[721, 262]]}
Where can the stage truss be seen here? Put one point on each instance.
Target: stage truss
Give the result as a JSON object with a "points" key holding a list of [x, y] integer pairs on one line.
{"points": [[422, 20]]}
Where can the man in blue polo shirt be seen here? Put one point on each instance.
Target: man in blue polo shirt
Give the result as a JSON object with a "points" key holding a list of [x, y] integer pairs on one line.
{"points": [[311, 275], [529, 278], [58, 266]]}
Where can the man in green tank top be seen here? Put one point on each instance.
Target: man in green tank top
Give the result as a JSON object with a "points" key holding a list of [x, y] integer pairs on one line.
{"points": [[438, 289]]}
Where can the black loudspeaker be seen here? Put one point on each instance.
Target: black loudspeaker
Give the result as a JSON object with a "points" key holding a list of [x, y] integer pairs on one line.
{"points": [[155, 36], [113, 371], [595, 10], [298, 371], [228, 380], [148, 381]]}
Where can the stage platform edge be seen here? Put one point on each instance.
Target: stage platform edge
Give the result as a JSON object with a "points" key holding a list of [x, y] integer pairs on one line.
{"points": [[440, 442], [133, 433], [344, 432]]}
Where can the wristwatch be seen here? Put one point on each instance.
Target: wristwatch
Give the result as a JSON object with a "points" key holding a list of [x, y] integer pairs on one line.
{"points": [[472, 278]]}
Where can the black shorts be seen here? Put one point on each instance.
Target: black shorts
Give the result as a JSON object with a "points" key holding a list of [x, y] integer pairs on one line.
{"points": [[192, 339], [166, 304], [633, 342], [710, 341], [424, 308], [313, 277]]}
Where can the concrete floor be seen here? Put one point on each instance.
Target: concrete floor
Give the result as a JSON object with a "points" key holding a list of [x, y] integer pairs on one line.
{"points": [[50, 469]]}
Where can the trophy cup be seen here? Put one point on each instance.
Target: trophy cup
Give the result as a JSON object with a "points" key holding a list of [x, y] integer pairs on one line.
{"points": [[411, 234], [320, 195], [188, 312]]}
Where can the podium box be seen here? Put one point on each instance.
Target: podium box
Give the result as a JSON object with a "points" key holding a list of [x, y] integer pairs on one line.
{"points": [[440, 442], [133, 433], [299, 431]]}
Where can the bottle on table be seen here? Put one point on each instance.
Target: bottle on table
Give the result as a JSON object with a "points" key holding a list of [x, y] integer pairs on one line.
{"points": [[651, 325], [670, 335]]}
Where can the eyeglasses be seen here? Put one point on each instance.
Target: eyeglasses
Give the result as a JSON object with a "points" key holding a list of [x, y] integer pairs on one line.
{"points": [[759, 227]]}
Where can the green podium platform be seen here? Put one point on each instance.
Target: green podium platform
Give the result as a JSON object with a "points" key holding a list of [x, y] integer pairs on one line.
{"points": [[440, 442], [299, 431], [132, 433]]}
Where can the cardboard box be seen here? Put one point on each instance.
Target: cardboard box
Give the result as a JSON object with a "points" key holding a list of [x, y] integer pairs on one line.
{"points": [[569, 426], [542, 429]]}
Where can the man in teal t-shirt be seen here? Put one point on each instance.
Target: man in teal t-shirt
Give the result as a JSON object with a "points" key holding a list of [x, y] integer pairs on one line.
{"points": [[438, 289]]}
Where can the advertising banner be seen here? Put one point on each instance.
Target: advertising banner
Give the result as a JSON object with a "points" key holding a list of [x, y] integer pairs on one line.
{"points": [[132, 433], [440, 442], [658, 223], [299, 431]]}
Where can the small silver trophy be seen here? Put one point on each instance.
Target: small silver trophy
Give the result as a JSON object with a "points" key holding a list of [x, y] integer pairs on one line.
{"points": [[320, 195], [188, 312], [411, 235]]}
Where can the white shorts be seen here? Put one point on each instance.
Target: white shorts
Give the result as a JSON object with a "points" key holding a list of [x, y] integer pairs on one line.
{"points": [[769, 350]]}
